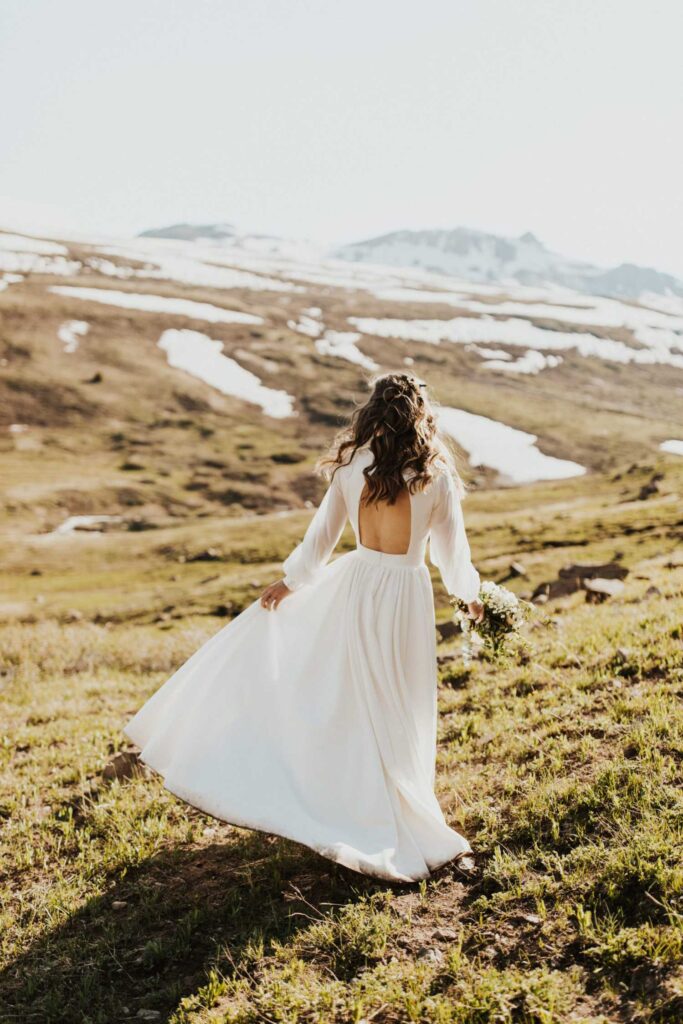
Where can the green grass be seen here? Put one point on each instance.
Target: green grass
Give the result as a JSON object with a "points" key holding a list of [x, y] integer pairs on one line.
{"points": [[563, 766]]}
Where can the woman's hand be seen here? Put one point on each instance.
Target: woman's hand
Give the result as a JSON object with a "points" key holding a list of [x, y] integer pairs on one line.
{"points": [[272, 595], [476, 611]]}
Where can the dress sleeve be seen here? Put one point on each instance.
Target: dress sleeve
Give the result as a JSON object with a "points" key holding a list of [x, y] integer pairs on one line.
{"points": [[449, 549], [320, 539]]}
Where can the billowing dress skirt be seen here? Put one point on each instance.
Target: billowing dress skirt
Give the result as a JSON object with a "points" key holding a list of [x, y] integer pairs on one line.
{"points": [[317, 721]]}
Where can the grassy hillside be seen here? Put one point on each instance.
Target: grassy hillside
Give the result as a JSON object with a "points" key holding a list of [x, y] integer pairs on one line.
{"points": [[563, 767]]}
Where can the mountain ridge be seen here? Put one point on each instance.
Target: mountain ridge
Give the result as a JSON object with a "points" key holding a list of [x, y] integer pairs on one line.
{"points": [[186, 232], [487, 258], [467, 253]]}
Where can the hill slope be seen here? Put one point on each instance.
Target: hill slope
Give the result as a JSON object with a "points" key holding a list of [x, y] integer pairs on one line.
{"points": [[182, 390], [563, 767], [206, 379]]}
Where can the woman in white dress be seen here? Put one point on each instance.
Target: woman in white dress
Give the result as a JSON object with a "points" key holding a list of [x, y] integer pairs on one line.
{"points": [[313, 714]]}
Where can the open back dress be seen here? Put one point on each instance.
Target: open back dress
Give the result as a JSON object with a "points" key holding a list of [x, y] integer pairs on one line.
{"points": [[317, 721]]}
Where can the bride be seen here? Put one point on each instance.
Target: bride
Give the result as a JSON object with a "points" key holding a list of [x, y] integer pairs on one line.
{"points": [[312, 715]]}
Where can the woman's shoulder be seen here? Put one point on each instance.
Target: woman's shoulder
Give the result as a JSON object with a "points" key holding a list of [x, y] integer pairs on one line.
{"points": [[354, 463], [446, 480], [441, 475], [361, 457]]}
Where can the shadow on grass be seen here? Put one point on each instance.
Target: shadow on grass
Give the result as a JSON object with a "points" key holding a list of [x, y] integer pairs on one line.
{"points": [[152, 936]]}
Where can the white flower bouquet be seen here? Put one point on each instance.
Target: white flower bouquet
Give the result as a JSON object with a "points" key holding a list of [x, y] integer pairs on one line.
{"points": [[504, 616]]}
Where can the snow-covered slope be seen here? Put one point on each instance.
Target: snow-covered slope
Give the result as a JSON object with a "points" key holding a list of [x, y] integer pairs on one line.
{"points": [[256, 329], [478, 256], [227, 236], [462, 253]]}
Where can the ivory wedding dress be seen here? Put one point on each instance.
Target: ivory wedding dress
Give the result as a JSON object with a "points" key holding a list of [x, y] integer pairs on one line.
{"points": [[317, 721]]}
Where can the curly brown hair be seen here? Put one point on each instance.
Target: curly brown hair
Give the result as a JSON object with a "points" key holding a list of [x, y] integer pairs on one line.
{"points": [[398, 425]]}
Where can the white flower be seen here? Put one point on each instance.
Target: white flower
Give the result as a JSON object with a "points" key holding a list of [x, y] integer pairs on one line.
{"points": [[504, 615]]}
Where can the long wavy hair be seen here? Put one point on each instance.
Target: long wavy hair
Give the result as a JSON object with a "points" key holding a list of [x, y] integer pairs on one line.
{"points": [[398, 425]]}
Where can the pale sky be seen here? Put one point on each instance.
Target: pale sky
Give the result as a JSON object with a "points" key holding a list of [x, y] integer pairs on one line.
{"points": [[342, 119]]}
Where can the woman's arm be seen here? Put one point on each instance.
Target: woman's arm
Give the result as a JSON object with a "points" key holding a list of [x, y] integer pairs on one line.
{"points": [[449, 549], [321, 538]]}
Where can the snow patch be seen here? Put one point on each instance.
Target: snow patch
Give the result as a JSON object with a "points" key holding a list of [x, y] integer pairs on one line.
{"points": [[659, 328], [187, 265], [513, 453], [86, 523], [672, 447], [339, 344], [518, 332], [21, 243], [596, 312], [70, 331], [203, 358], [489, 353], [159, 304], [31, 263], [307, 324], [460, 294], [531, 362], [342, 344], [109, 268]]}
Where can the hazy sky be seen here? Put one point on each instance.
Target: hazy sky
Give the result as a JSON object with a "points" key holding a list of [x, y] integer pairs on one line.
{"points": [[341, 119]]}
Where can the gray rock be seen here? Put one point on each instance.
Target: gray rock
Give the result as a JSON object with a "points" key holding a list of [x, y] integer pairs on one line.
{"points": [[581, 576], [430, 955], [600, 590], [586, 571]]}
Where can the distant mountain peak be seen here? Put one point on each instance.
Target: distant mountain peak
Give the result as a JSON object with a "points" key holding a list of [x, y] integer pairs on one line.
{"points": [[192, 232], [478, 256]]}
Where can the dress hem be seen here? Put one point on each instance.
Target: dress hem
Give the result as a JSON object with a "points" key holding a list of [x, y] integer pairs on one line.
{"points": [[328, 852]]}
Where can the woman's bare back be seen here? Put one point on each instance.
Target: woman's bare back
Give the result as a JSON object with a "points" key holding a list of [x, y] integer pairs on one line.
{"points": [[385, 527]]}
